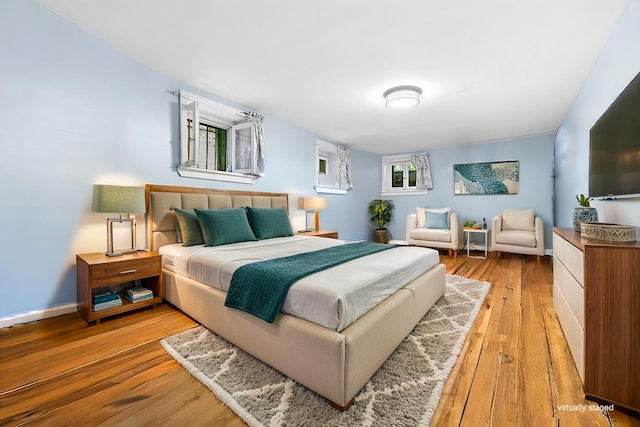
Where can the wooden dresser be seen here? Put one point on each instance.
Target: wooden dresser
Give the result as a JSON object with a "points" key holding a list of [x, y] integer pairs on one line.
{"points": [[596, 295]]}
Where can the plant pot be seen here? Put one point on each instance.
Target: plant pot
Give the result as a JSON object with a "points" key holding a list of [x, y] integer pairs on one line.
{"points": [[583, 214], [382, 236]]}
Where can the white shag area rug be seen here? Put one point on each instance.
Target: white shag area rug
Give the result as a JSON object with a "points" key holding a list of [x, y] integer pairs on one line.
{"points": [[404, 392]]}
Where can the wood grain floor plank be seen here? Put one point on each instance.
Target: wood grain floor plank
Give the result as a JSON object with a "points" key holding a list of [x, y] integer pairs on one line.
{"points": [[534, 383], [508, 334], [482, 393]]}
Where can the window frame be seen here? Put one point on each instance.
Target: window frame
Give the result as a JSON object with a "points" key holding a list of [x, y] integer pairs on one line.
{"points": [[387, 177], [212, 113]]}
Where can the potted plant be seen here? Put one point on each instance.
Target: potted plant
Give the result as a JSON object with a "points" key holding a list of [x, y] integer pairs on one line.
{"points": [[381, 212], [583, 212]]}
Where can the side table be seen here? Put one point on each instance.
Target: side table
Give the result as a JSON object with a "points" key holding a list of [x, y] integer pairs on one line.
{"points": [[472, 246], [97, 270]]}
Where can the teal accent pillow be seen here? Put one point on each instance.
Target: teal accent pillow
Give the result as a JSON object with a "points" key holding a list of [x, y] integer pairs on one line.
{"points": [[436, 220], [223, 226], [190, 232], [267, 223]]}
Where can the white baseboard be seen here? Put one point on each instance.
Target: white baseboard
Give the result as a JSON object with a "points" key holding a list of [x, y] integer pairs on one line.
{"points": [[32, 316]]}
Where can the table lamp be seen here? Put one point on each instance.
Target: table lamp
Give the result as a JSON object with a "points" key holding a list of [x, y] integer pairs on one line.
{"points": [[119, 200], [314, 204]]}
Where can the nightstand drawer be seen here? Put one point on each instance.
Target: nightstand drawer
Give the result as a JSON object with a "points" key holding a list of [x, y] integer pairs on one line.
{"points": [[124, 271]]}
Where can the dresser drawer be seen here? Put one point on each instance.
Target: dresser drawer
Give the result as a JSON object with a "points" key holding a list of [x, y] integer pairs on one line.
{"points": [[558, 247], [572, 291], [574, 260], [124, 271], [573, 332]]}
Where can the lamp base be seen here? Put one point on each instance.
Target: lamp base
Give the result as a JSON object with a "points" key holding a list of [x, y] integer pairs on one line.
{"points": [[128, 251], [312, 221], [132, 225]]}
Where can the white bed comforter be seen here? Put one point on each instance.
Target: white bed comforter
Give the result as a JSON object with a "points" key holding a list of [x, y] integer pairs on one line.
{"points": [[332, 298]]}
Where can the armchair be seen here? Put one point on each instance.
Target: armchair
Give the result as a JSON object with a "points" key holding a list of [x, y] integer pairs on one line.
{"points": [[518, 231], [440, 231]]}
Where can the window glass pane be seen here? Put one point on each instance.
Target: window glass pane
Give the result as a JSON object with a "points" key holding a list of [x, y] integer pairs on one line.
{"points": [[243, 149], [412, 174], [201, 156], [412, 178], [397, 172], [322, 166], [211, 149], [221, 140]]}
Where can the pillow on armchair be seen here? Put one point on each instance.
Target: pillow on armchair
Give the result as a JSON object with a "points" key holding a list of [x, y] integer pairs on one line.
{"points": [[436, 220], [421, 215], [518, 219]]}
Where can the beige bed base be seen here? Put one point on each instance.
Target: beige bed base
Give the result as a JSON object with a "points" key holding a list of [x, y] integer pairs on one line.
{"points": [[335, 365]]}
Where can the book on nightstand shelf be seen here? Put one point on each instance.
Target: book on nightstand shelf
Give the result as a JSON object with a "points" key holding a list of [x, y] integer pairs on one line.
{"points": [[115, 302], [138, 293], [104, 296]]}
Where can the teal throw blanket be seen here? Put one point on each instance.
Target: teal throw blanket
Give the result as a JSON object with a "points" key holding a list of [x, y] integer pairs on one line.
{"points": [[260, 288]]}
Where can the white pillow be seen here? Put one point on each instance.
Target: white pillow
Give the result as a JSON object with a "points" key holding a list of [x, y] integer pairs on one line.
{"points": [[516, 219], [421, 214]]}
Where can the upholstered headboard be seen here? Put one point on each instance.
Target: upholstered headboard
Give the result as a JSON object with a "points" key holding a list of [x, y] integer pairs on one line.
{"points": [[161, 199]]}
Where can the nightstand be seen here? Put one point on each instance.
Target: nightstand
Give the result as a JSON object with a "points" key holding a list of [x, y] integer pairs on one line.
{"points": [[97, 270], [331, 234]]}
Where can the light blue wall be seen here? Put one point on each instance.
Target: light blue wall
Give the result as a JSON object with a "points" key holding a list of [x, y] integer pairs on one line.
{"points": [[535, 156], [616, 66], [74, 112]]}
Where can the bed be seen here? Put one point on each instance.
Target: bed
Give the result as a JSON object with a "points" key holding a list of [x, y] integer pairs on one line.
{"points": [[331, 348]]}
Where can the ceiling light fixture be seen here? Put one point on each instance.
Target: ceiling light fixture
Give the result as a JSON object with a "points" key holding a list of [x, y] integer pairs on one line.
{"points": [[402, 96]]}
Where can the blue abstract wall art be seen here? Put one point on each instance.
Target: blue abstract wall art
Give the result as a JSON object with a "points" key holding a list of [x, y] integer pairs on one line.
{"points": [[486, 178]]}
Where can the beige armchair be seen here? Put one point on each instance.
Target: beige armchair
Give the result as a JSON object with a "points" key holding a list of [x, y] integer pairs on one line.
{"points": [[440, 231], [518, 231]]}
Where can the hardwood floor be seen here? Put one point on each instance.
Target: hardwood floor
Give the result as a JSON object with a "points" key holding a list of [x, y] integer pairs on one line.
{"points": [[515, 368]]}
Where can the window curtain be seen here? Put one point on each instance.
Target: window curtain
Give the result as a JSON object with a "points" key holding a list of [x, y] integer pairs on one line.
{"points": [[423, 171], [344, 167], [257, 120]]}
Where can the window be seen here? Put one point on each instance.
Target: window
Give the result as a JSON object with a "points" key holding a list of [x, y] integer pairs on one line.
{"points": [[399, 176], [225, 145], [333, 168]]}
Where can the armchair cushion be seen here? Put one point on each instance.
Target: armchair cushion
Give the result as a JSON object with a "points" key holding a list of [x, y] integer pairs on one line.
{"points": [[517, 238], [518, 219], [431, 234]]}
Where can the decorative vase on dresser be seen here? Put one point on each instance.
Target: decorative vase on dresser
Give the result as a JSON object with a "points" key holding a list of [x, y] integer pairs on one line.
{"points": [[583, 214]]}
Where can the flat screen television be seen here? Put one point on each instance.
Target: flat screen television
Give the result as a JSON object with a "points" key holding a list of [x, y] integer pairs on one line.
{"points": [[614, 147]]}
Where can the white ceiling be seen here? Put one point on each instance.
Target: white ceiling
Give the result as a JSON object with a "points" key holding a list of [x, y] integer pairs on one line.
{"points": [[489, 69]]}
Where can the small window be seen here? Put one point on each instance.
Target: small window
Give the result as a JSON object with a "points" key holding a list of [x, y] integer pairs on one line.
{"points": [[224, 147], [398, 176], [333, 165]]}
